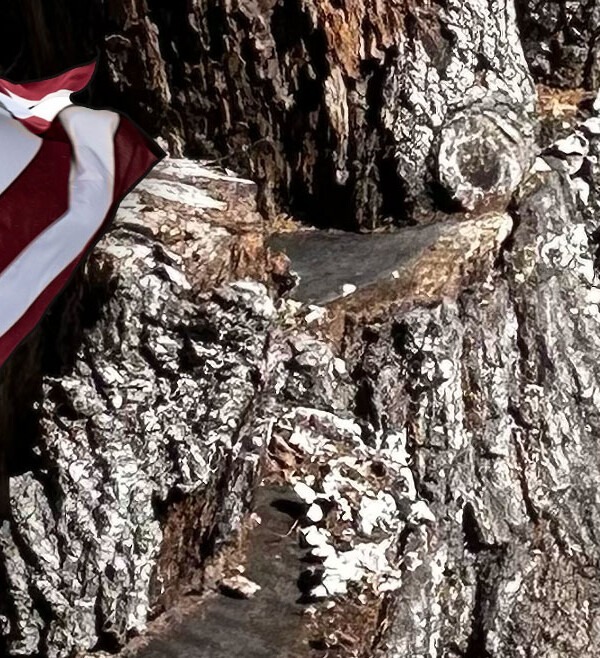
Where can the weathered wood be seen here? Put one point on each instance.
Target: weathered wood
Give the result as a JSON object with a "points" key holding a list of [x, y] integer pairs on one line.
{"points": [[458, 382], [337, 110], [346, 113]]}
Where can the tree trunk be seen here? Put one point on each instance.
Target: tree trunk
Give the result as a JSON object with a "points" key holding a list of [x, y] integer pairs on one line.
{"points": [[561, 41], [344, 112], [340, 110], [433, 384], [135, 463]]}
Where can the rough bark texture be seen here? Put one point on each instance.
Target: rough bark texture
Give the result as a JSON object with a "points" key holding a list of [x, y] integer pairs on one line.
{"points": [[429, 392], [498, 390], [142, 418], [561, 41], [356, 114], [324, 104]]}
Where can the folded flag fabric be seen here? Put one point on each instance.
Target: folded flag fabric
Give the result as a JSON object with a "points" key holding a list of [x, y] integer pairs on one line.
{"points": [[64, 169]]}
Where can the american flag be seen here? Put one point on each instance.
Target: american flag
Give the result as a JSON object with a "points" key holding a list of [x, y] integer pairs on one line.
{"points": [[64, 168]]}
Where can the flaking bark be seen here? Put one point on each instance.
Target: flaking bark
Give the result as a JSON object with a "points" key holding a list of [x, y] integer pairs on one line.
{"points": [[142, 413], [344, 113]]}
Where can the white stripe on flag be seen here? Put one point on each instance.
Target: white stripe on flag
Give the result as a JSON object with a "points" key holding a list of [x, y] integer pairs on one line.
{"points": [[46, 108], [91, 186], [18, 147]]}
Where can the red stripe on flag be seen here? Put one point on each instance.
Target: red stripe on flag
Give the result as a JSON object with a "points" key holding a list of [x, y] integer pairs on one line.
{"points": [[36, 125], [74, 80], [35, 199], [135, 155]]}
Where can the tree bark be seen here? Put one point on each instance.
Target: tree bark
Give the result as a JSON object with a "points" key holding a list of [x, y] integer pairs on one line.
{"points": [[345, 113], [135, 434], [561, 41], [434, 383], [338, 110]]}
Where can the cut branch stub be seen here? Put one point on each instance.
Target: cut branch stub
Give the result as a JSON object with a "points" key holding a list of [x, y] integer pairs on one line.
{"points": [[484, 154]]}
